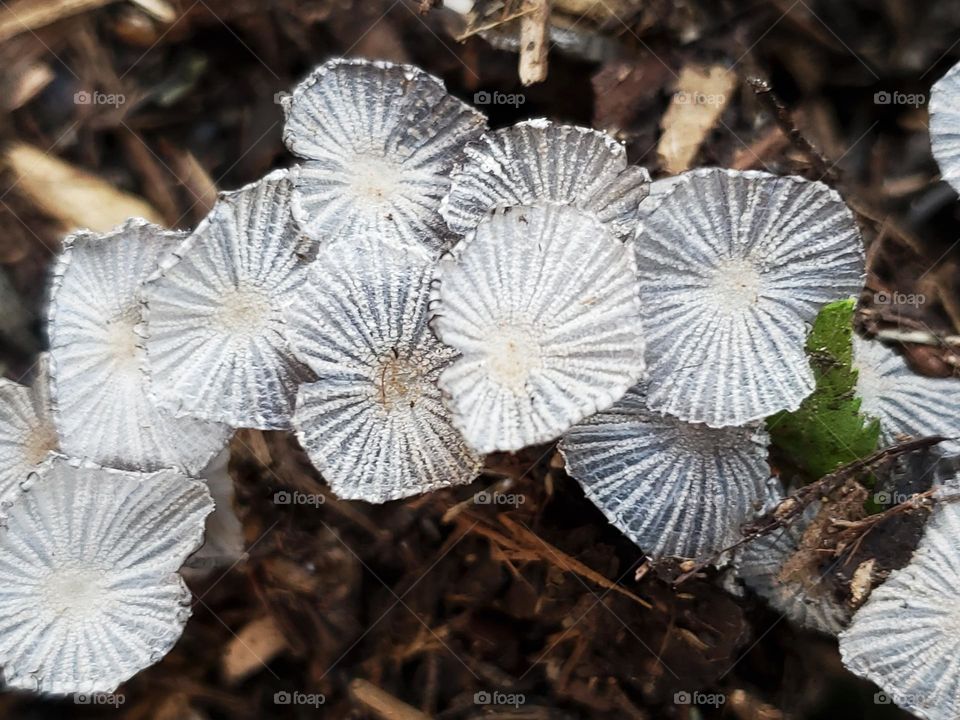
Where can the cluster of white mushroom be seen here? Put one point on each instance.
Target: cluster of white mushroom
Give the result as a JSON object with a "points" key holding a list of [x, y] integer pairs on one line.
{"points": [[416, 293]]}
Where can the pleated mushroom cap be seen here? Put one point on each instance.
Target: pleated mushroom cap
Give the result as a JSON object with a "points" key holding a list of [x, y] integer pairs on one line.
{"points": [[906, 638], [379, 141], [89, 589], [538, 161], [905, 403], [733, 267], [215, 332], [373, 423], [673, 488], [945, 125], [27, 433], [542, 304], [100, 389], [760, 564]]}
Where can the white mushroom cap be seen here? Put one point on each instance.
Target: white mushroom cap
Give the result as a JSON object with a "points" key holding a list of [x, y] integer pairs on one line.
{"points": [[905, 403], [760, 565], [380, 140], [374, 423], [99, 383], [733, 267], [89, 590], [542, 304], [906, 638], [945, 125], [27, 433], [538, 161], [215, 333], [673, 488]]}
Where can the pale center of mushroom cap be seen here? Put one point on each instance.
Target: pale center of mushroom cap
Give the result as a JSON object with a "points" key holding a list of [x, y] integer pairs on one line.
{"points": [[871, 388], [514, 353], [74, 593], [735, 285], [244, 311], [397, 381], [122, 339], [374, 178], [41, 440]]}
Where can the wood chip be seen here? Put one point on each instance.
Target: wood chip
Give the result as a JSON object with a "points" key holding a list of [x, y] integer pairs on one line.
{"points": [[254, 646], [28, 84], [27, 15], [382, 704], [862, 582], [701, 96], [74, 197], [159, 9], [535, 43]]}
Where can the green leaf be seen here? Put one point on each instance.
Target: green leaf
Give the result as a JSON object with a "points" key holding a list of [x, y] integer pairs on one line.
{"points": [[827, 430]]}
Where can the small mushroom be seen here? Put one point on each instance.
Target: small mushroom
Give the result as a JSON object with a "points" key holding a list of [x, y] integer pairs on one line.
{"points": [[761, 565], [675, 489], [379, 141], [945, 125], [373, 422], [733, 267], [542, 304], [27, 433], [214, 328], [906, 638], [538, 161], [905, 403], [89, 588], [98, 376]]}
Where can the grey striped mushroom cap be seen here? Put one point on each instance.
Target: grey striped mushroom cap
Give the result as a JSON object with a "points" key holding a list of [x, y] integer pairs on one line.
{"points": [[733, 267], [537, 161], [214, 327], [373, 423], [906, 638], [541, 303], [760, 564], [675, 489], [27, 433], [945, 125], [905, 403], [100, 389], [379, 141], [89, 588]]}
